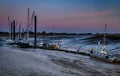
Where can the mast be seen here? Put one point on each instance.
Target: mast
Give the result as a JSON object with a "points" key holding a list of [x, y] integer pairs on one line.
{"points": [[31, 22], [53, 33], [27, 29], [9, 25]]}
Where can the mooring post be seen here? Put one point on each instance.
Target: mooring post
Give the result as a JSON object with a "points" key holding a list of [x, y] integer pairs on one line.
{"points": [[13, 30], [19, 31], [35, 30], [22, 32]]}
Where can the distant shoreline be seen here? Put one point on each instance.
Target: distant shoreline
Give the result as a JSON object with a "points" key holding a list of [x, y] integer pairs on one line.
{"points": [[6, 34]]}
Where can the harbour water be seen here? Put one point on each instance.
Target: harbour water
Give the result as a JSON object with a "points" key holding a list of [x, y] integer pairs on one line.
{"points": [[84, 42]]}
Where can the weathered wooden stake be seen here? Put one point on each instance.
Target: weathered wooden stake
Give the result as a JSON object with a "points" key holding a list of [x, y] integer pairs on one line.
{"points": [[35, 30], [13, 30]]}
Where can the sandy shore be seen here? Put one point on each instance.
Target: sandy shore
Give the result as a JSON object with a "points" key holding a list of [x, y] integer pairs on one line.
{"points": [[30, 62]]}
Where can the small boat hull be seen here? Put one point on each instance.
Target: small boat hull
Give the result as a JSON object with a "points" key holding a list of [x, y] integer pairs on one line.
{"points": [[9, 41], [104, 57]]}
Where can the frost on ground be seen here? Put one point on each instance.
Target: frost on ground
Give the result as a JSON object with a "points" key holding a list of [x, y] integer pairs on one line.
{"points": [[38, 62]]}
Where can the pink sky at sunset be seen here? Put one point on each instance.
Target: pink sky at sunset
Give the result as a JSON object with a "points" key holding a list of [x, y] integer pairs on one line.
{"points": [[67, 16]]}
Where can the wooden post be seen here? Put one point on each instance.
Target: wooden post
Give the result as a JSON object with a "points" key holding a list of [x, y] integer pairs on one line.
{"points": [[19, 31], [23, 33], [35, 30], [9, 26], [13, 30]]}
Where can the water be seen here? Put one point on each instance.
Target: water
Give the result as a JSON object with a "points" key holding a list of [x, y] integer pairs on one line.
{"points": [[86, 43], [74, 42]]}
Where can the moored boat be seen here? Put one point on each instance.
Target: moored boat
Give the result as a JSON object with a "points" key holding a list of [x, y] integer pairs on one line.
{"points": [[101, 52]]}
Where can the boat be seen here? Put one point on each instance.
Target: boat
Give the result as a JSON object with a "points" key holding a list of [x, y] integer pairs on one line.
{"points": [[51, 43], [25, 42], [9, 41], [101, 51]]}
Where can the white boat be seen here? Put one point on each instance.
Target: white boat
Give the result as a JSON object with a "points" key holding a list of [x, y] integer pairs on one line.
{"points": [[9, 41], [25, 42], [101, 52]]}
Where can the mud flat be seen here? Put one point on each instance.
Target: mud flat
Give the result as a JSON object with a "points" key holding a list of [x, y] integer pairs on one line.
{"points": [[38, 62]]}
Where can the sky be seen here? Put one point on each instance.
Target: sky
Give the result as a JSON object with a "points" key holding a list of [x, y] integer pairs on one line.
{"points": [[71, 16]]}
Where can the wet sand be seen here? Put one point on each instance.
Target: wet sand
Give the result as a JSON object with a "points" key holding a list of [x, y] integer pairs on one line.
{"points": [[38, 62]]}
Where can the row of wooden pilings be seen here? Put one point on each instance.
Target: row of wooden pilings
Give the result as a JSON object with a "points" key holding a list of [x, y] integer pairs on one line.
{"points": [[13, 30]]}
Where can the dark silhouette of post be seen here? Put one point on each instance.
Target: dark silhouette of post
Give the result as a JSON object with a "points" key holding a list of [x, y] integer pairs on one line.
{"points": [[35, 30], [13, 30], [19, 31], [23, 32]]}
